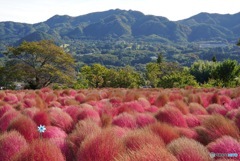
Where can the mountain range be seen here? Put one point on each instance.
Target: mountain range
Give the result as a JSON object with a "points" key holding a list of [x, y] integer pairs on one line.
{"points": [[123, 24]]}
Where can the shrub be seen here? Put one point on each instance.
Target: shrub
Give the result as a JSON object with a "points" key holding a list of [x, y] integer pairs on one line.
{"points": [[54, 132], [197, 109], [216, 109], [182, 106], [186, 149], [10, 98], [164, 131], [40, 150], [6, 119], [144, 119], [137, 139], [82, 129], [41, 118], [217, 126], [30, 112], [25, 126], [125, 120], [224, 145], [10, 144], [192, 120], [172, 116], [61, 119], [4, 107], [89, 113], [101, 147], [147, 153], [161, 100]]}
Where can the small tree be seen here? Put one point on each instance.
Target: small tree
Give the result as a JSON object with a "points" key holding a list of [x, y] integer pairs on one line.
{"points": [[40, 64]]}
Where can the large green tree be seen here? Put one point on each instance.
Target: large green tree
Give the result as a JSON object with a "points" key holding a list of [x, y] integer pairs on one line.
{"points": [[39, 64]]}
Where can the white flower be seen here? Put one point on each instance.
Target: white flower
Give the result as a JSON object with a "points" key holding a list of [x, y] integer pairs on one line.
{"points": [[41, 128]]}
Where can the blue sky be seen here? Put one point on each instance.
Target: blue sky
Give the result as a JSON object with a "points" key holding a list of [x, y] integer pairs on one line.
{"points": [[33, 11]]}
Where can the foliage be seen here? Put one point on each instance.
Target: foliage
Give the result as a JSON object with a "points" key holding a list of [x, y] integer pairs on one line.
{"points": [[40, 64], [202, 70], [98, 76], [178, 79], [226, 72]]}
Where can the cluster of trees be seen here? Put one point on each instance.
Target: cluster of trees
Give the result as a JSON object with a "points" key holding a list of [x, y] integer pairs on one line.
{"points": [[40, 64]]}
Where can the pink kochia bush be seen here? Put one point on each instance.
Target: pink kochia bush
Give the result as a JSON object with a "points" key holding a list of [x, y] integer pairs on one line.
{"points": [[119, 124], [40, 150], [6, 119], [125, 120], [10, 144], [25, 126], [188, 150], [225, 144], [60, 119], [102, 147], [137, 139], [147, 153], [172, 116]]}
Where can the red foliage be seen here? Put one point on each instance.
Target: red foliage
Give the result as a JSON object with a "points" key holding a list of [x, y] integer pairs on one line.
{"points": [[182, 106], [225, 145], [10, 144], [215, 127], [192, 120], [148, 153], [143, 119], [41, 118], [6, 119], [40, 150], [137, 139], [197, 109], [54, 132], [10, 98], [217, 109], [102, 147], [172, 116], [164, 131], [25, 126], [80, 97], [89, 113], [161, 100], [4, 107], [125, 120], [188, 150], [83, 129], [61, 119]]}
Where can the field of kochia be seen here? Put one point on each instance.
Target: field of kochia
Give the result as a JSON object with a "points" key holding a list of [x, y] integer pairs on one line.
{"points": [[189, 124]]}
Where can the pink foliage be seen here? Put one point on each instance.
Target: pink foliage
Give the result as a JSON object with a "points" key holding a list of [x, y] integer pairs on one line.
{"points": [[216, 109], [10, 98], [232, 113], [125, 120], [172, 116], [197, 109], [80, 97], [164, 131], [137, 139], [7, 118], [25, 126], [40, 150], [4, 108], [187, 132], [192, 120], [61, 119], [88, 113], [73, 111], [30, 112], [224, 145], [186, 149], [54, 132], [41, 118], [10, 144], [144, 119], [28, 103], [132, 106], [102, 147], [152, 109]]}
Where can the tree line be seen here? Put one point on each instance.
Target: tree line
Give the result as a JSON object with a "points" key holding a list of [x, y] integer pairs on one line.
{"points": [[40, 64]]}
